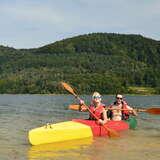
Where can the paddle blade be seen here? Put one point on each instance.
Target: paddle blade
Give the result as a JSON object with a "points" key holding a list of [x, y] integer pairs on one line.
{"points": [[68, 88], [77, 107], [112, 133], [153, 110], [74, 107]]}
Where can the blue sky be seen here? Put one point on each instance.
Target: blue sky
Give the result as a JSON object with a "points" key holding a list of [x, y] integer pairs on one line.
{"points": [[35, 23]]}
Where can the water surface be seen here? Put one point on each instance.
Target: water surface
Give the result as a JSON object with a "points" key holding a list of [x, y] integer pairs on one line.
{"points": [[20, 113]]}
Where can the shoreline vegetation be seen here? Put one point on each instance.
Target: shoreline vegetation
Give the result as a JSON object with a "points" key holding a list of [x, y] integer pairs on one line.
{"points": [[144, 91], [107, 62]]}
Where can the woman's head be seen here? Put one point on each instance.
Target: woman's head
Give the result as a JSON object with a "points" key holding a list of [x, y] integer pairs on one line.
{"points": [[96, 97]]}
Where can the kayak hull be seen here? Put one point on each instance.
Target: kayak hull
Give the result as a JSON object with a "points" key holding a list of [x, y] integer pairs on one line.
{"points": [[72, 130], [59, 132], [99, 130]]}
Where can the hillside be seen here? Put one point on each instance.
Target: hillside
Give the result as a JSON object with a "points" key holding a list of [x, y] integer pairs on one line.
{"points": [[108, 63]]}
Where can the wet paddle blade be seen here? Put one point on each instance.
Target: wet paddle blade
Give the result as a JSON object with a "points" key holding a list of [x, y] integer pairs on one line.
{"points": [[68, 88], [74, 107], [112, 133], [153, 110]]}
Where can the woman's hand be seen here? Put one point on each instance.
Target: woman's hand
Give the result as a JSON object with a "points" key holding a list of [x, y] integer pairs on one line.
{"points": [[83, 108], [81, 102], [100, 121]]}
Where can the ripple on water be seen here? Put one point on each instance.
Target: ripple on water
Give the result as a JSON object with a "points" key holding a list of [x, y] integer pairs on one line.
{"points": [[20, 113]]}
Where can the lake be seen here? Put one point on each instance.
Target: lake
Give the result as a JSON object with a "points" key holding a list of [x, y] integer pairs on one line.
{"points": [[20, 113]]}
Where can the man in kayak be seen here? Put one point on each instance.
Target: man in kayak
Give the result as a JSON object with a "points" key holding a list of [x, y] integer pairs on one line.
{"points": [[97, 108], [120, 110]]}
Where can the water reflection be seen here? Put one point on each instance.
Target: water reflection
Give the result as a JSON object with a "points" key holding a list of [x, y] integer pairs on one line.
{"points": [[61, 150]]}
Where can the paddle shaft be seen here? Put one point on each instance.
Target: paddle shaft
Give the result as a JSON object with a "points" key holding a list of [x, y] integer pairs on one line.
{"points": [[77, 107], [155, 111]]}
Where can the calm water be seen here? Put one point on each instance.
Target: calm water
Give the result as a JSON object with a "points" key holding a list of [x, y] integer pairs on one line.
{"points": [[20, 113]]}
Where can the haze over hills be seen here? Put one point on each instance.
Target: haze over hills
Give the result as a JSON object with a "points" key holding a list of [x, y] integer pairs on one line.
{"points": [[105, 62]]}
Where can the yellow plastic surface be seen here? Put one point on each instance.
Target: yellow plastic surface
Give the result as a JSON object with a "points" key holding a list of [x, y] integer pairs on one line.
{"points": [[59, 132]]}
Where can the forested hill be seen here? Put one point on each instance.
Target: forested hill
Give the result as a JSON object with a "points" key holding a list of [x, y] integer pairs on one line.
{"points": [[105, 62]]}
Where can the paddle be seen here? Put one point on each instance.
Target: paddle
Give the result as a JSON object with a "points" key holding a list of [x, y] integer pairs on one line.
{"points": [[150, 110], [153, 110], [111, 132]]}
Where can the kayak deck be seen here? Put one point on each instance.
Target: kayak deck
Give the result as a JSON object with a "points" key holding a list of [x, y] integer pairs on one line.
{"points": [[99, 130], [59, 132]]}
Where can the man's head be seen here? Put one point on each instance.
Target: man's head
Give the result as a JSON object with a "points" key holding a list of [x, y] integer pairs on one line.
{"points": [[119, 98]]}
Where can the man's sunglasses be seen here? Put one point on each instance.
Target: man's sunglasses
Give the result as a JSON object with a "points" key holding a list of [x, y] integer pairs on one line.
{"points": [[119, 98]]}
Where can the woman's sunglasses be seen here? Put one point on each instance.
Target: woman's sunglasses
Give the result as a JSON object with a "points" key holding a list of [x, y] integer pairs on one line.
{"points": [[96, 97]]}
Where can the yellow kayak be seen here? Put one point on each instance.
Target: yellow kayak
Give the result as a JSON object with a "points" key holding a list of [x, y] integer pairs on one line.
{"points": [[59, 132]]}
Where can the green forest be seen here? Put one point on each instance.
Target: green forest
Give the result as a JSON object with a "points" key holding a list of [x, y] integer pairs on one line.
{"points": [[104, 62]]}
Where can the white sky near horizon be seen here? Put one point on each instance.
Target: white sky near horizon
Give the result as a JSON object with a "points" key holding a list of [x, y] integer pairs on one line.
{"points": [[35, 23]]}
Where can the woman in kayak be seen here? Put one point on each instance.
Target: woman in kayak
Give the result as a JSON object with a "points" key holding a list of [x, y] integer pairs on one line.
{"points": [[120, 110], [97, 108]]}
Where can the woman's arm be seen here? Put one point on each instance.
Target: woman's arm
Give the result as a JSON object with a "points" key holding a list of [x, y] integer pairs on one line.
{"points": [[105, 119], [82, 107]]}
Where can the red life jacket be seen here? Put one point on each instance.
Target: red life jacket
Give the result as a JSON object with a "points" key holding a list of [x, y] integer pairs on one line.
{"points": [[125, 113], [97, 111]]}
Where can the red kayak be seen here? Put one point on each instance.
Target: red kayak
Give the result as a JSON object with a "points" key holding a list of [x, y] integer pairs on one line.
{"points": [[98, 130]]}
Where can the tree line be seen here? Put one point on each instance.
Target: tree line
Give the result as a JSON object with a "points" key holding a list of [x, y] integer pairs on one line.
{"points": [[106, 62]]}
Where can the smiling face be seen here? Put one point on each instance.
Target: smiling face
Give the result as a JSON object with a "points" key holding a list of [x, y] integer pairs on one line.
{"points": [[96, 98]]}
